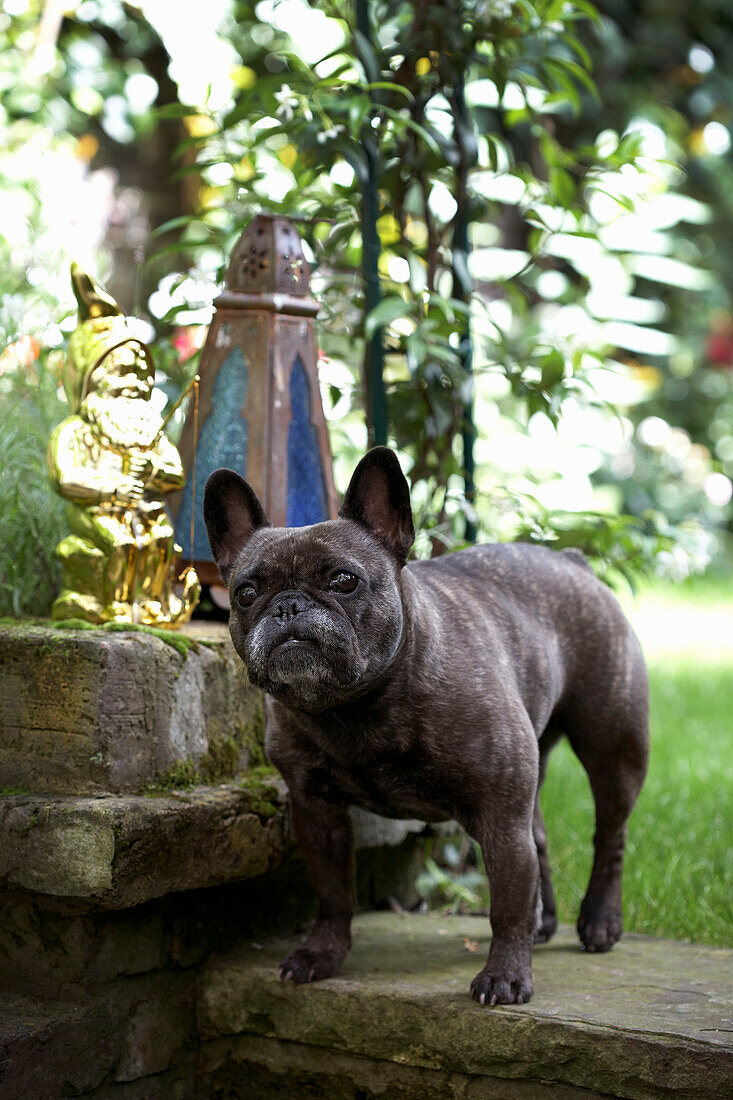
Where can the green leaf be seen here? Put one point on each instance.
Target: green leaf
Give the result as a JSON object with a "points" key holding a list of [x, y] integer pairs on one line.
{"points": [[553, 368], [367, 56], [563, 185], [449, 306], [409, 123], [629, 146], [386, 85], [582, 76], [174, 223], [173, 110], [181, 246], [388, 310], [589, 10], [577, 46]]}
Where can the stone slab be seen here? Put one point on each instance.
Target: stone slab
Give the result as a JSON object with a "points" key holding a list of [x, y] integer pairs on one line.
{"points": [[118, 851], [54, 947], [651, 1019], [52, 1049], [121, 850], [268, 1069], [86, 711], [134, 1032]]}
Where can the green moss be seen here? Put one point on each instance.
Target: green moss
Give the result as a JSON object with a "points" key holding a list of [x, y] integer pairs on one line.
{"points": [[221, 760], [21, 624], [74, 624], [252, 736], [263, 795], [261, 773], [6, 792], [180, 642], [263, 808], [219, 763], [181, 775]]}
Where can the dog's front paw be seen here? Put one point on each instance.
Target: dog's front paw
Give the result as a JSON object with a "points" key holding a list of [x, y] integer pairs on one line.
{"points": [[306, 965], [599, 929], [491, 988]]}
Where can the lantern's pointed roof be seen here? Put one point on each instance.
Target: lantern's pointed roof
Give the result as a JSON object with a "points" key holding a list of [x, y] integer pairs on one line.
{"points": [[269, 259]]}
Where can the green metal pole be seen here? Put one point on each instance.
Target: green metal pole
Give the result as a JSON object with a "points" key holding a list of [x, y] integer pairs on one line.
{"points": [[376, 401], [462, 290]]}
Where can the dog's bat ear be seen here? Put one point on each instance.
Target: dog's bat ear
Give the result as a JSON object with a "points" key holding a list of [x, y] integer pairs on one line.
{"points": [[232, 513], [378, 497]]}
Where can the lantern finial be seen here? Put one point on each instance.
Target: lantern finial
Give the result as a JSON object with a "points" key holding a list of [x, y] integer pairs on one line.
{"points": [[269, 259]]}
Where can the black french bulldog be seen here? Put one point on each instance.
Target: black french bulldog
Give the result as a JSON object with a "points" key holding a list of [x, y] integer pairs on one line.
{"points": [[433, 690]]}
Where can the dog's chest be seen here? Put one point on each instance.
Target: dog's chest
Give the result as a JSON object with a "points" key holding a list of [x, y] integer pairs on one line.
{"points": [[385, 764], [392, 784]]}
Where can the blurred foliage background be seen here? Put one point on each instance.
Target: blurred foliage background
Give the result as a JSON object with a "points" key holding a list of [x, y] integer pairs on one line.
{"points": [[554, 180]]}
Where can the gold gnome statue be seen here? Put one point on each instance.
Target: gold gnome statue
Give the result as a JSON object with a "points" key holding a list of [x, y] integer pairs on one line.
{"points": [[112, 462]]}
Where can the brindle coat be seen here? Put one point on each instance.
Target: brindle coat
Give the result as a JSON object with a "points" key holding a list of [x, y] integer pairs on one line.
{"points": [[433, 690]]}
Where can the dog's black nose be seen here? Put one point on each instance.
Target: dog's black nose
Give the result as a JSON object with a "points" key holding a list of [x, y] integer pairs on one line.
{"points": [[289, 604]]}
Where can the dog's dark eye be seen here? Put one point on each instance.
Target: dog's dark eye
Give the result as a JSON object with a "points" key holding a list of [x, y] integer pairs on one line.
{"points": [[343, 582], [245, 596]]}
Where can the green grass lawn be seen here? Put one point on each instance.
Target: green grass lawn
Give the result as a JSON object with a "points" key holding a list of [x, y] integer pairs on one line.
{"points": [[677, 879]]}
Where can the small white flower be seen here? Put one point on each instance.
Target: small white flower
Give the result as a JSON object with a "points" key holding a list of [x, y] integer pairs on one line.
{"points": [[287, 102], [327, 135], [673, 564]]}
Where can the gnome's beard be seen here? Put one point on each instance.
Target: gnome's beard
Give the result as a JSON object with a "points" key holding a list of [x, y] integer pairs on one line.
{"points": [[125, 422]]}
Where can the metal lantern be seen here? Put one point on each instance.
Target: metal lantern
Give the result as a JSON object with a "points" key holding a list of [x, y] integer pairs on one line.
{"points": [[259, 409]]}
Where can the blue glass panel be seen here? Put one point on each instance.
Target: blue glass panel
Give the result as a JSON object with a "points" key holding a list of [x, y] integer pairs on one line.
{"points": [[222, 442], [306, 483]]}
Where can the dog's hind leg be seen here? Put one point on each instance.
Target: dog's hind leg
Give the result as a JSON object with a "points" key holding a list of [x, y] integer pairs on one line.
{"points": [[546, 912], [615, 755]]}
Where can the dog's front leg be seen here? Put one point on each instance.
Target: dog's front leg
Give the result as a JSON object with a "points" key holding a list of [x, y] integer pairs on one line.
{"points": [[511, 862], [325, 838]]}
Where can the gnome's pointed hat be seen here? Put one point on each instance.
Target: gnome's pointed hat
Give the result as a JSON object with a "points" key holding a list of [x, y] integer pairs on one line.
{"points": [[94, 302], [102, 327]]}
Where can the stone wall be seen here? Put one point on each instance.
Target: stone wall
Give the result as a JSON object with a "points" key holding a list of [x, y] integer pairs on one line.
{"points": [[121, 873], [89, 711]]}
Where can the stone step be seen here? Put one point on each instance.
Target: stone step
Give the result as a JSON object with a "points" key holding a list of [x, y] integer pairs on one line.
{"points": [[116, 851], [651, 1019], [43, 1045], [86, 711], [129, 1045], [92, 889]]}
